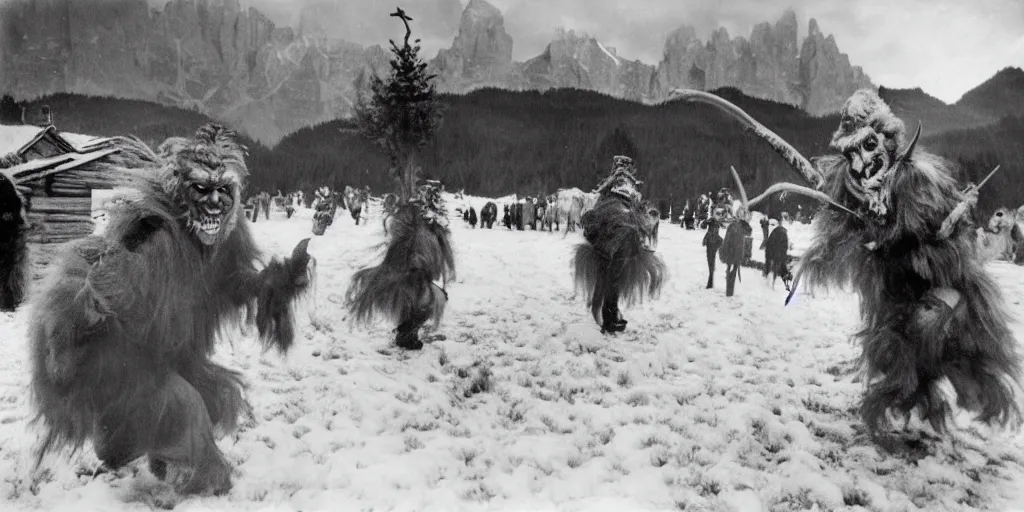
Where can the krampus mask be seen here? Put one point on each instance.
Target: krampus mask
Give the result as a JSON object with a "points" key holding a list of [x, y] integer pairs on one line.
{"points": [[428, 198], [871, 138], [622, 181], [207, 179]]}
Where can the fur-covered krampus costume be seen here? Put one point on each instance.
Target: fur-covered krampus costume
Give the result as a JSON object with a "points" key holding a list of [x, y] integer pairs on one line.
{"points": [[13, 246], [122, 334], [403, 287], [733, 251], [895, 231], [488, 215], [617, 261], [776, 253], [325, 208]]}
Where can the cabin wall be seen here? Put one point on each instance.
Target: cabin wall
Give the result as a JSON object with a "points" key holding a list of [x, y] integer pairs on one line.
{"points": [[61, 205]]}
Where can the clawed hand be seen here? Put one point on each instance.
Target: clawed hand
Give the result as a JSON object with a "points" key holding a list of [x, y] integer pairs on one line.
{"points": [[302, 263]]}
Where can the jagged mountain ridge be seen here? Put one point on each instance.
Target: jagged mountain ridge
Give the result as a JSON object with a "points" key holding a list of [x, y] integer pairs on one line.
{"points": [[213, 56], [236, 65], [771, 64]]}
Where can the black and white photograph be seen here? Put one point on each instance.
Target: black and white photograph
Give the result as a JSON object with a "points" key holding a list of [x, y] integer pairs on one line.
{"points": [[512, 255]]}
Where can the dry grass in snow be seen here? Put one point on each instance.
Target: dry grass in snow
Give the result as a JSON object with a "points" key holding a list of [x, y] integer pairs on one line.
{"points": [[705, 402]]}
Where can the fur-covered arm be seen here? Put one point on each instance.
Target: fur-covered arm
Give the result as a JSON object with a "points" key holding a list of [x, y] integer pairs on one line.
{"points": [[836, 253], [929, 208], [273, 291], [924, 195]]}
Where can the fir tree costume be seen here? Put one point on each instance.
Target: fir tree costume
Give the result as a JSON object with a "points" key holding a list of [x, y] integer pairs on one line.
{"points": [[401, 118], [617, 261]]}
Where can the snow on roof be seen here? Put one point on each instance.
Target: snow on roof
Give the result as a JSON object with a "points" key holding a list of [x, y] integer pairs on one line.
{"points": [[14, 137]]}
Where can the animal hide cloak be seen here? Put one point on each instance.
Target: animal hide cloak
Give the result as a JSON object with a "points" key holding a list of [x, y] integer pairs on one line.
{"points": [[911, 337], [14, 261], [418, 253], [617, 254]]}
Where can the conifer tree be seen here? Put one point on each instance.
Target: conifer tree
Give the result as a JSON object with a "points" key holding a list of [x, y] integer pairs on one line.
{"points": [[10, 111], [402, 113], [617, 142]]}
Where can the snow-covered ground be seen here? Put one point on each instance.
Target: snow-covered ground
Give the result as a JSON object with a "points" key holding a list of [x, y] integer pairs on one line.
{"points": [[704, 403]]}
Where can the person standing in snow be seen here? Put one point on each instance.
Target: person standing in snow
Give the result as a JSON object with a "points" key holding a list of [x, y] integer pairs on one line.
{"points": [[776, 258], [712, 242]]}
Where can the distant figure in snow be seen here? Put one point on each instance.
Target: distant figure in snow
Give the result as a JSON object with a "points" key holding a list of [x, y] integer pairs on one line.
{"points": [[472, 217], [529, 214], [1018, 237], [764, 231], [488, 215], [776, 258], [688, 218], [712, 242], [733, 252]]}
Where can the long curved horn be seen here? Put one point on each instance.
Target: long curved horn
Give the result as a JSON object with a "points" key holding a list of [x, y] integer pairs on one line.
{"points": [[739, 184], [799, 189], [909, 152], [798, 162]]}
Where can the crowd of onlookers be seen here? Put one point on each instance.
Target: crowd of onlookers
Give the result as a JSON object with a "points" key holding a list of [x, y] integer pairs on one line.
{"points": [[736, 249]]}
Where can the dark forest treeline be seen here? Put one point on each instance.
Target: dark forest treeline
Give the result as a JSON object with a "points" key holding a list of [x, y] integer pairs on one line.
{"points": [[495, 142]]}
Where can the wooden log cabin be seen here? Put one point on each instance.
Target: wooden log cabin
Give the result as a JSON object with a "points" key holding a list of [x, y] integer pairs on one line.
{"points": [[57, 179]]}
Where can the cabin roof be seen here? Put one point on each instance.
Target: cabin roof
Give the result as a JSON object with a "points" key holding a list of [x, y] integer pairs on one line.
{"points": [[17, 138], [45, 151], [38, 169]]}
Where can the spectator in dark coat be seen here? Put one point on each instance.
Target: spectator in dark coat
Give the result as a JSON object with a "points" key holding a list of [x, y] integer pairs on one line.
{"points": [[472, 217], [776, 252], [764, 231], [733, 252], [713, 241]]}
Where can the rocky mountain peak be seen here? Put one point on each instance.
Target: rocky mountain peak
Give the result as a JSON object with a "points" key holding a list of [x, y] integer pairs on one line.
{"points": [[826, 77], [481, 10], [482, 39], [680, 38], [812, 29], [481, 53]]}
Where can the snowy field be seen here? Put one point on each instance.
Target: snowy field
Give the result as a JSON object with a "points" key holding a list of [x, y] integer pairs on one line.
{"points": [[705, 402]]}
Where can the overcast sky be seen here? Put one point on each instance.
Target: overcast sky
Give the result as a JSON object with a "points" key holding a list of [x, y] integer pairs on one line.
{"points": [[946, 47]]}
